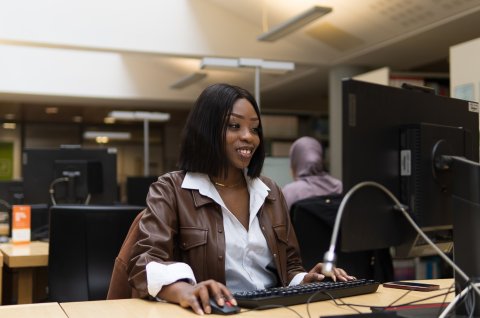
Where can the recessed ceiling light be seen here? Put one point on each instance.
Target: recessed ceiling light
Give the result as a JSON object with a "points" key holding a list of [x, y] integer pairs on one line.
{"points": [[109, 120], [101, 139], [9, 125], [51, 110], [77, 119]]}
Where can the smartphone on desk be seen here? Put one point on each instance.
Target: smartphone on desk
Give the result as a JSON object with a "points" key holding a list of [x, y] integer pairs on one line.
{"points": [[411, 286]]}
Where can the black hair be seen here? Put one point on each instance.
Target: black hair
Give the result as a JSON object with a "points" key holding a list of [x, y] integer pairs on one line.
{"points": [[203, 138]]}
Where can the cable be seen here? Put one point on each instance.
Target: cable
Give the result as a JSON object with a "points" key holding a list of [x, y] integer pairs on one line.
{"points": [[87, 199], [329, 258], [51, 190], [273, 307], [352, 305], [464, 292], [6, 204]]}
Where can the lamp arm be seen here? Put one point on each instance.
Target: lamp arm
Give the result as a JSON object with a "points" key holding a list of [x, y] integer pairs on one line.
{"points": [[329, 258]]}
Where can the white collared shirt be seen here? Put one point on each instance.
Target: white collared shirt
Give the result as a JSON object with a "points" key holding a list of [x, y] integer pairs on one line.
{"points": [[249, 263]]}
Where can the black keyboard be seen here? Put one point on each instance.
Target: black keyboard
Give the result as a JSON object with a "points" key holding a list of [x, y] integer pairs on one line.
{"points": [[301, 294]]}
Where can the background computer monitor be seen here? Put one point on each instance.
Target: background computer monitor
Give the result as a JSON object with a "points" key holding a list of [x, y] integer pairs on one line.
{"points": [[11, 191], [389, 136], [91, 175]]}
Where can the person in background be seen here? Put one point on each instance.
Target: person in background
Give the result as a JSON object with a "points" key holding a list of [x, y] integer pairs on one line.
{"points": [[310, 178], [216, 226]]}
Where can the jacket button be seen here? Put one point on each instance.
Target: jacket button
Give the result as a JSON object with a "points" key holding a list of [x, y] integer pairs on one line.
{"points": [[184, 244], [220, 230], [220, 257], [274, 255]]}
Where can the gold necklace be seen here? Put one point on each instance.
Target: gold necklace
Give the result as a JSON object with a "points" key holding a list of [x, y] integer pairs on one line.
{"points": [[227, 186]]}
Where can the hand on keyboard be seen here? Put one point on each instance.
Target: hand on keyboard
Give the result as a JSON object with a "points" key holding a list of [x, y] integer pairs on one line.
{"points": [[315, 275]]}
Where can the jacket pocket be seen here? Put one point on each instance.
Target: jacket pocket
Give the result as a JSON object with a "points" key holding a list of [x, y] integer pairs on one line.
{"points": [[193, 246], [192, 237], [281, 233]]}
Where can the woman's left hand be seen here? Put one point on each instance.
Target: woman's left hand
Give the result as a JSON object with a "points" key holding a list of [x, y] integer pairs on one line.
{"points": [[315, 275]]}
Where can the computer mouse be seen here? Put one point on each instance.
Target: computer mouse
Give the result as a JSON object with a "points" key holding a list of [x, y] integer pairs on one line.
{"points": [[227, 309]]}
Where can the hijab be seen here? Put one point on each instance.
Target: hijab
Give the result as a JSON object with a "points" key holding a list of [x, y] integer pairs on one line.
{"points": [[306, 162]]}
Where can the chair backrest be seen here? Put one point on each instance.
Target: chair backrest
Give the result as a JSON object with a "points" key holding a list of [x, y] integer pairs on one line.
{"points": [[313, 219], [119, 286], [84, 241], [39, 221], [137, 189]]}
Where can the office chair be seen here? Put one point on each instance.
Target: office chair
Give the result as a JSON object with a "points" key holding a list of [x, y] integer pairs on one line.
{"points": [[313, 219], [137, 189], [39, 221], [119, 287], [84, 241]]}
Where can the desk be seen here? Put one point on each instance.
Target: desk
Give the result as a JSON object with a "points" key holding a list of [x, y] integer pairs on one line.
{"points": [[45, 310], [1, 273], [126, 308], [23, 258]]}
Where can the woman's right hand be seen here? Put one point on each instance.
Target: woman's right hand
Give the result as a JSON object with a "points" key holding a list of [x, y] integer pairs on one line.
{"points": [[197, 296]]}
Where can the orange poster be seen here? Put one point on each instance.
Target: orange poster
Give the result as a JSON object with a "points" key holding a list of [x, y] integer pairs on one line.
{"points": [[20, 223]]}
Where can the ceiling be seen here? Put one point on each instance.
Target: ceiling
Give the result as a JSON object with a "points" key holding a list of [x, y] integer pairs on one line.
{"points": [[405, 35]]}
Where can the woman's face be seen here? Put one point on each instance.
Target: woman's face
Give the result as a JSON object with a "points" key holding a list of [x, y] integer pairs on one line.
{"points": [[242, 134]]}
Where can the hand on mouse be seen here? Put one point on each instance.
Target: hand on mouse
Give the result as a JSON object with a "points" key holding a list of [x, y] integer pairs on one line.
{"points": [[197, 296], [315, 275]]}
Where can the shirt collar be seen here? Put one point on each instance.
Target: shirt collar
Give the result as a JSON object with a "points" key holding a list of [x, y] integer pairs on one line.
{"points": [[201, 182]]}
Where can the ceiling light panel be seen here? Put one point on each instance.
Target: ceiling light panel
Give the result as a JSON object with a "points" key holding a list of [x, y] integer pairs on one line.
{"points": [[294, 23]]}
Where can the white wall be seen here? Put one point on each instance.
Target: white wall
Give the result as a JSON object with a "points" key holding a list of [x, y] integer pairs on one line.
{"points": [[465, 70]]}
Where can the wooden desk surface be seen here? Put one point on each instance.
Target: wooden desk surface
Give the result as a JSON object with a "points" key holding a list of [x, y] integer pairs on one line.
{"points": [[45, 310], [31, 254], [143, 308]]}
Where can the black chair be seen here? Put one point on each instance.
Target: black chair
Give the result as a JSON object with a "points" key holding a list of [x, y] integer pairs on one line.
{"points": [[39, 221], [137, 189], [313, 220], [84, 241]]}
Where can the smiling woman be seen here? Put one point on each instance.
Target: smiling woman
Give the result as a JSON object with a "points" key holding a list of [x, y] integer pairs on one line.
{"points": [[216, 226]]}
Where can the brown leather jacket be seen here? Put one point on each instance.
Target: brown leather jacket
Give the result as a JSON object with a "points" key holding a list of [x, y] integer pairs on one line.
{"points": [[181, 225]]}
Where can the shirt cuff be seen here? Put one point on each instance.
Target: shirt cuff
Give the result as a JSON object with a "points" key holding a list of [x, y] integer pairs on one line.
{"points": [[159, 275], [297, 279]]}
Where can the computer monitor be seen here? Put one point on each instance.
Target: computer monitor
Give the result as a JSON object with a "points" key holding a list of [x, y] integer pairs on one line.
{"points": [[11, 191], [390, 136], [398, 138], [70, 175]]}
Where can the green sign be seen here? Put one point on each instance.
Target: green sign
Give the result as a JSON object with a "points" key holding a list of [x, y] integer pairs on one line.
{"points": [[6, 160]]}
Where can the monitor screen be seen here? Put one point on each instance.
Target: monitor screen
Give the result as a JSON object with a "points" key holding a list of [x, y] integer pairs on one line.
{"points": [[392, 136], [11, 191], [70, 175]]}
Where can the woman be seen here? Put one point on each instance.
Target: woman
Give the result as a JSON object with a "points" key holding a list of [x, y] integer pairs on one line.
{"points": [[310, 178], [216, 226]]}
